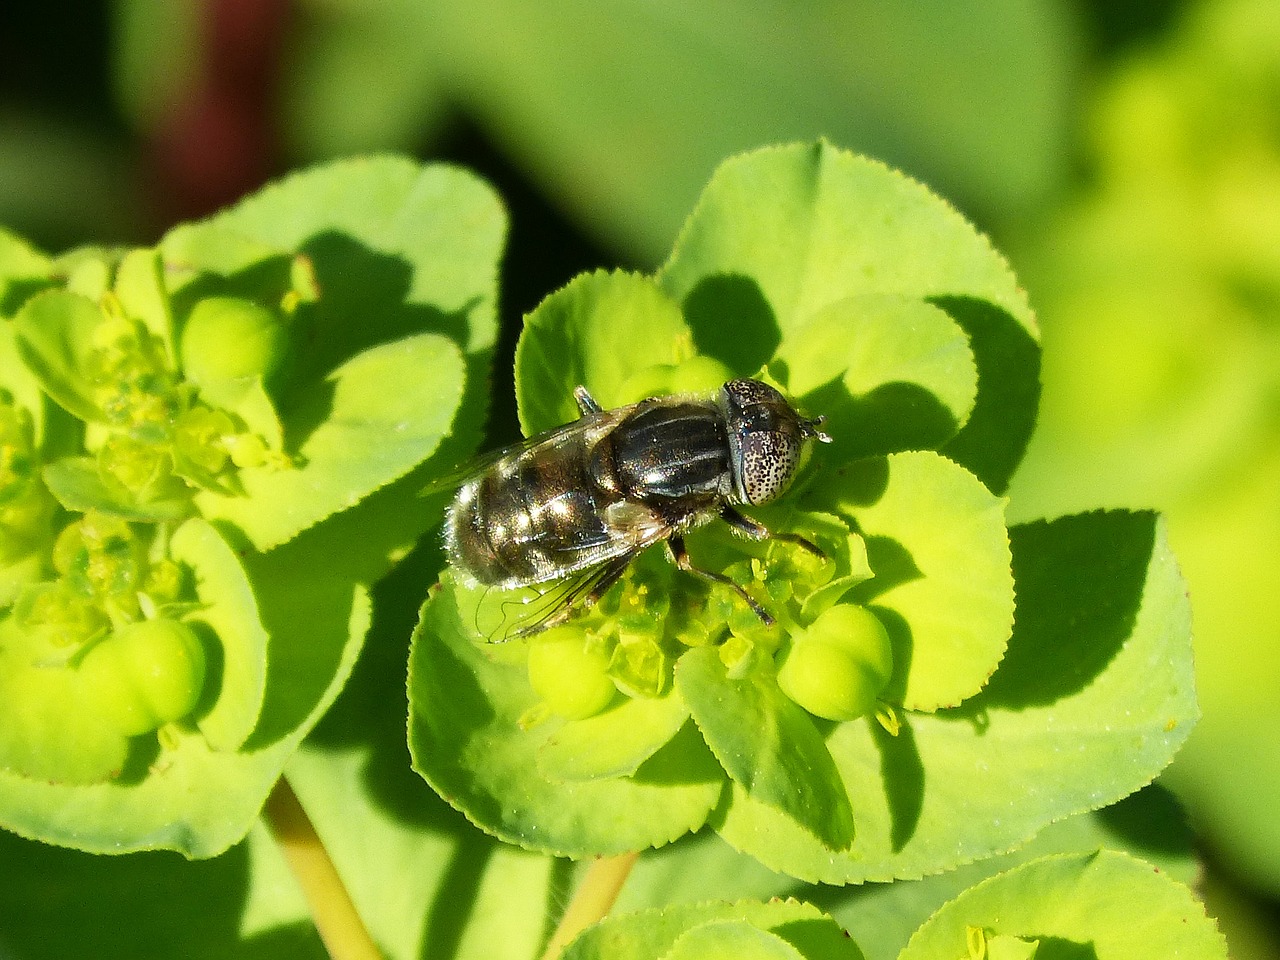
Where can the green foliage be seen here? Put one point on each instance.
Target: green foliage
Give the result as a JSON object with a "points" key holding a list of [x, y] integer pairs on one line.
{"points": [[626, 143], [1074, 701], [780, 930], [1065, 904], [192, 533], [181, 429], [1160, 288]]}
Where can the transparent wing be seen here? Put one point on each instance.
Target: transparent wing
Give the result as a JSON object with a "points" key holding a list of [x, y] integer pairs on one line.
{"points": [[518, 612], [586, 425]]}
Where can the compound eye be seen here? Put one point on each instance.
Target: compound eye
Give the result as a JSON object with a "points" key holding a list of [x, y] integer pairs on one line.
{"points": [[768, 462]]}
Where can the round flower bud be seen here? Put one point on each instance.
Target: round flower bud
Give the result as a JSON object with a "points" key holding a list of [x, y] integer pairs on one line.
{"points": [[570, 675], [838, 665], [229, 338], [145, 675]]}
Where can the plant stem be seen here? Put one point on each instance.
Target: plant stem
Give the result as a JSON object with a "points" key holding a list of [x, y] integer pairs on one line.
{"points": [[335, 916], [593, 899]]}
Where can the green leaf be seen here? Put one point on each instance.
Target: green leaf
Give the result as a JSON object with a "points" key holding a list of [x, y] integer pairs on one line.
{"points": [[24, 270], [374, 419], [597, 331], [54, 895], [373, 812], [402, 852], [372, 250], [140, 286], [808, 225], [88, 271], [336, 106], [1158, 284], [49, 730], [999, 429], [769, 747], [937, 542], [896, 374], [1106, 904], [614, 743], [780, 928], [1091, 701], [77, 484], [466, 703], [228, 619], [189, 796], [730, 940], [18, 380], [783, 234], [184, 795], [55, 334], [391, 268], [881, 917]]}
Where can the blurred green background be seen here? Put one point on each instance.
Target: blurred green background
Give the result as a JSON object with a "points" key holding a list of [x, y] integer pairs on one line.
{"points": [[1125, 155]]}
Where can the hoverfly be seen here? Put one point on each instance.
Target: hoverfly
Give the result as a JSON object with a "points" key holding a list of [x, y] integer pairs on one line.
{"points": [[580, 502]]}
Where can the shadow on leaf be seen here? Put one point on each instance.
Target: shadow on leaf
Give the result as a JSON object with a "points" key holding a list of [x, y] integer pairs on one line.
{"points": [[54, 897], [732, 321], [815, 938], [1150, 822], [449, 915], [992, 442], [902, 642], [1080, 582], [892, 417], [364, 300], [684, 759], [903, 774], [15, 291], [1060, 948], [306, 613]]}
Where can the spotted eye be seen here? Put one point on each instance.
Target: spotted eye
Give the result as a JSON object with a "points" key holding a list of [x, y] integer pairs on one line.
{"points": [[769, 461]]}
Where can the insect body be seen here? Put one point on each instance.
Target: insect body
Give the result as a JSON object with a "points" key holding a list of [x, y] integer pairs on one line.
{"points": [[583, 500]]}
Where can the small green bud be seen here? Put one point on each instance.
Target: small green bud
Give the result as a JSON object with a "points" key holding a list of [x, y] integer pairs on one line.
{"points": [[99, 556], [26, 524], [145, 675], [247, 449], [164, 581], [135, 465], [230, 338], [18, 463], [837, 666], [639, 667], [60, 616], [200, 436], [739, 655], [570, 673]]}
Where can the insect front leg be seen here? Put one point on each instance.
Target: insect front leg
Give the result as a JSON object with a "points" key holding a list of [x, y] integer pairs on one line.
{"points": [[758, 531], [681, 557], [586, 403]]}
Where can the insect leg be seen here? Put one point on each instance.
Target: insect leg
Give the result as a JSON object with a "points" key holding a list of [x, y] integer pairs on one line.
{"points": [[758, 531], [586, 403], [681, 557]]}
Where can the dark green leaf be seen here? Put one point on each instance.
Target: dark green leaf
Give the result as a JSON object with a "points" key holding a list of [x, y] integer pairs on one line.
{"points": [[769, 747]]}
